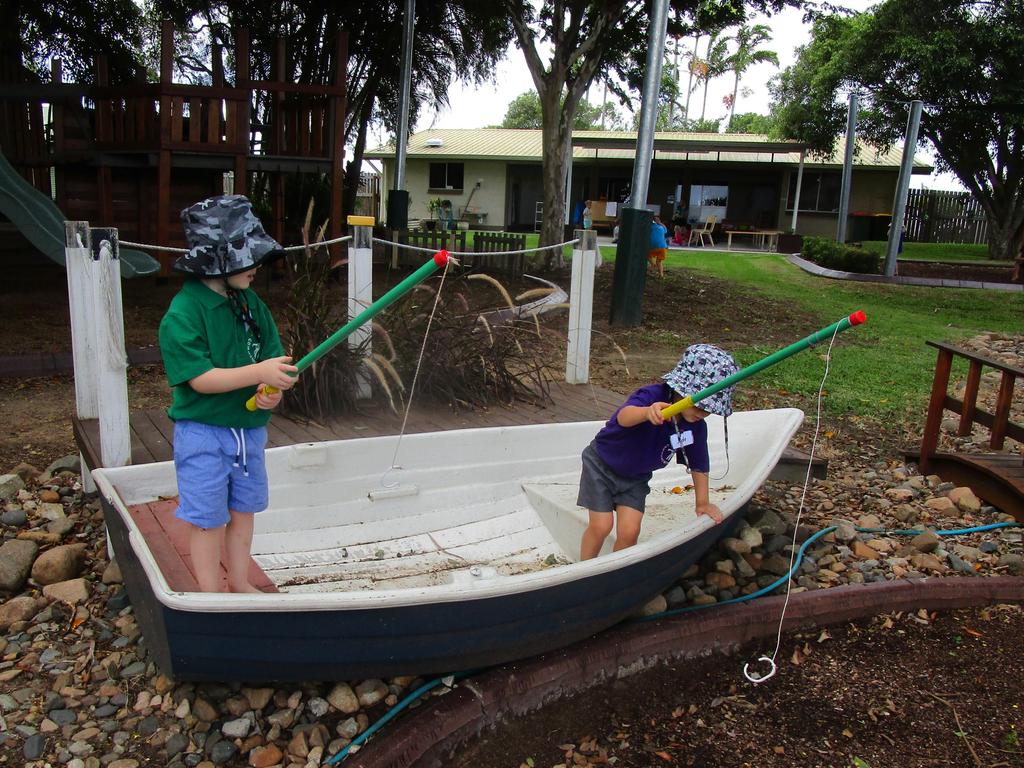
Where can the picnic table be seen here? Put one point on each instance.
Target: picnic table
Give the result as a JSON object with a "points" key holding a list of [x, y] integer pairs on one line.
{"points": [[765, 239]]}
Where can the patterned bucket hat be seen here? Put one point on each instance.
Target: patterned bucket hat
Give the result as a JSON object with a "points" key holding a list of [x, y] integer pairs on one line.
{"points": [[701, 366], [225, 237]]}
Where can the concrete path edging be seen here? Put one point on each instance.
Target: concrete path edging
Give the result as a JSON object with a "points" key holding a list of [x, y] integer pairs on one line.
{"points": [[427, 736], [815, 269]]}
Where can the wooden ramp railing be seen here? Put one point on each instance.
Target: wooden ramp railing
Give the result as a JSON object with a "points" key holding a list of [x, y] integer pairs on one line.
{"points": [[996, 477]]}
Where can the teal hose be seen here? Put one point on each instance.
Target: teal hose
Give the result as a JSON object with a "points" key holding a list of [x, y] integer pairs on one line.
{"points": [[800, 556], [391, 713]]}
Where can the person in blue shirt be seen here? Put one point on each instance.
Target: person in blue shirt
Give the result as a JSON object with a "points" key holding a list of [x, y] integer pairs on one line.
{"points": [[619, 462], [659, 246]]}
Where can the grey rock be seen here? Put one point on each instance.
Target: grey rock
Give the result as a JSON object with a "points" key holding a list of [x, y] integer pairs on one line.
{"points": [[69, 463], [10, 485], [14, 517], [16, 558], [222, 752], [34, 747], [176, 743]]}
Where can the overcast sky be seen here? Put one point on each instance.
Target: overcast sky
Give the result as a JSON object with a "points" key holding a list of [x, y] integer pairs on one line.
{"points": [[472, 107]]}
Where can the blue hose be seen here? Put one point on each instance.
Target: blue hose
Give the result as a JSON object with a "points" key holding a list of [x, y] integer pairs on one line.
{"points": [[391, 713]]}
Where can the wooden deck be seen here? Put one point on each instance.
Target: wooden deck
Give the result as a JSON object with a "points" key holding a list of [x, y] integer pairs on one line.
{"points": [[152, 432]]}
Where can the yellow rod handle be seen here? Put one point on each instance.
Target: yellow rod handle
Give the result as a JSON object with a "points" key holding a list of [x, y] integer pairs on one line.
{"points": [[250, 404], [677, 407]]}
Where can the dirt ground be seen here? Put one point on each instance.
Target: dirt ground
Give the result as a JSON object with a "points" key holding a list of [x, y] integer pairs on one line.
{"points": [[911, 690]]}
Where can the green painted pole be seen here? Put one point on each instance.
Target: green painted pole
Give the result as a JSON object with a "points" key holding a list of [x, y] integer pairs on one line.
{"points": [[825, 333], [439, 260]]}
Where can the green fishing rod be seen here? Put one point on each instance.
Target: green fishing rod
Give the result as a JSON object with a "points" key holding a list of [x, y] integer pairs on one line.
{"points": [[438, 260], [856, 318]]}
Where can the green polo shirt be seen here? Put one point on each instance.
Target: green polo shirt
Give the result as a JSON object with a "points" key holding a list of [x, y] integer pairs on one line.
{"points": [[200, 332]]}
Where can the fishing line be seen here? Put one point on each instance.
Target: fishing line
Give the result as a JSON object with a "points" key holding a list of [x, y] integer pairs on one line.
{"points": [[754, 677], [415, 377]]}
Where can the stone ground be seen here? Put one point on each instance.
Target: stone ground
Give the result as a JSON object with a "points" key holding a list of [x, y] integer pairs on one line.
{"points": [[77, 688]]}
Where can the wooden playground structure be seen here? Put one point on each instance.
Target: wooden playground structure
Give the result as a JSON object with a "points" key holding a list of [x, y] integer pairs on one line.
{"points": [[132, 155]]}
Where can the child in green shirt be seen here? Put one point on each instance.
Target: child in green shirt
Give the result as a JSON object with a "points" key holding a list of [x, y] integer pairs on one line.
{"points": [[220, 347]]}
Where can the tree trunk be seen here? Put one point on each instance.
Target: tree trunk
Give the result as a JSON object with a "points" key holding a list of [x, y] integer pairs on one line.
{"points": [[556, 133], [735, 91], [689, 80]]}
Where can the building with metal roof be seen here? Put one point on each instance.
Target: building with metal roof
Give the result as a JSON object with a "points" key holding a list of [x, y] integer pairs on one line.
{"points": [[491, 178]]}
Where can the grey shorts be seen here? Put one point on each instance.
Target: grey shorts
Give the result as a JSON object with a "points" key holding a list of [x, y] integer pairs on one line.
{"points": [[602, 489]]}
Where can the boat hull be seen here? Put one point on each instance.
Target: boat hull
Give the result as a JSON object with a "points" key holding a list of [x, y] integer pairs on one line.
{"points": [[387, 641]]}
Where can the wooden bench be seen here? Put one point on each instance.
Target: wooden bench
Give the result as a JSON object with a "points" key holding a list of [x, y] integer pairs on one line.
{"points": [[764, 239], [998, 478]]}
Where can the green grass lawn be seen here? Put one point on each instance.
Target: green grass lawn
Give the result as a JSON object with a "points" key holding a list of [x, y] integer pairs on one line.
{"points": [[882, 368], [935, 251]]}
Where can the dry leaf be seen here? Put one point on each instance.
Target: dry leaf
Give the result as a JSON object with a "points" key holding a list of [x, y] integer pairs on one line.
{"points": [[824, 636], [847, 733]]}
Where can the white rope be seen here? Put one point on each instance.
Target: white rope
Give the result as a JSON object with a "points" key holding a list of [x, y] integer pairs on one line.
{"points": [[476, 253], [753, 677], [289, 249], [415, 377]]}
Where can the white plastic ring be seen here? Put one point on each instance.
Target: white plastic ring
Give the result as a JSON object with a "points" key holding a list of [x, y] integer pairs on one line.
{"points": [[756, 678]]}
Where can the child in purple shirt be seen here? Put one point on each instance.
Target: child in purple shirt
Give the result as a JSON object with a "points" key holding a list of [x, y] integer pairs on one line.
{"points": [[618, 463]]}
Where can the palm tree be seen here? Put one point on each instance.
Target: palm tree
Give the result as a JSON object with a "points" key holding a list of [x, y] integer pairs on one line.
{"points": [[713, 64], [747, 54]]}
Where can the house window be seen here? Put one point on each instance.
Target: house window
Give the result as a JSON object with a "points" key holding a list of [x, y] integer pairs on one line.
{"points": [[818, 192], [707, 200], [446, 177]]}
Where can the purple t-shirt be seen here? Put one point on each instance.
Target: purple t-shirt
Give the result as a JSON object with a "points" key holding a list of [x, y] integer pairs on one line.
{"points": [[635, 452]]}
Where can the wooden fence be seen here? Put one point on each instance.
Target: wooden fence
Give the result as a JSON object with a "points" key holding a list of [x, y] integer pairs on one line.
{"points": [[938, 216]]}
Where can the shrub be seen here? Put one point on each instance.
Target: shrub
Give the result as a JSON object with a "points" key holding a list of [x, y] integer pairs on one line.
{"points": [[845, 258]]}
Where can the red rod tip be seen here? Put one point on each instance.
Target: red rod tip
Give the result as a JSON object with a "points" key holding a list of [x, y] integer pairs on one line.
{"points": [[858, 317], [441, 257]]}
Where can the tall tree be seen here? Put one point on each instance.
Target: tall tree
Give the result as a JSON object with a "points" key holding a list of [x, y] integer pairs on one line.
{"points": [[747, 54], [587, 40], [714, 64], [962, 58], [524, 112]]}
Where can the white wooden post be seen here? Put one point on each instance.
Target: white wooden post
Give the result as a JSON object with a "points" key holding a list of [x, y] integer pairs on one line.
{"points": [[111, 359], [581, 307], [360, 285], [81, 288]]}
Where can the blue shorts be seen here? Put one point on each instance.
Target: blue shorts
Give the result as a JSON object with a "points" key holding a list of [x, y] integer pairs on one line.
{"points": [[218, 469]]}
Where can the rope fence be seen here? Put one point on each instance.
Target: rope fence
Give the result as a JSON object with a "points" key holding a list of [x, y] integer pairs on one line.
{"points": [[289, 249], [421, 249]]}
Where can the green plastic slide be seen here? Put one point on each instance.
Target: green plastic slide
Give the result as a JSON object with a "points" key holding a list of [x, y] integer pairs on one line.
{"points": [[41, 221]]}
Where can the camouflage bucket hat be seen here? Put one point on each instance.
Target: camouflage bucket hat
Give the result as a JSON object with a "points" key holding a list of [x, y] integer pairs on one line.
{"points": [[701, 366], [224, 238]]}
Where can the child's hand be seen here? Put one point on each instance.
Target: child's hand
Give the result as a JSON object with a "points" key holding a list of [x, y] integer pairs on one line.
{"points": [[711, 510], [265, 401], [276, 372], [654, 413]]}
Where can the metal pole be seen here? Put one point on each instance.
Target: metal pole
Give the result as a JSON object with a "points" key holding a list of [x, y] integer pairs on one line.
{"points": [[649, 105], [635, 222], [398, 196], [799, 184], [408, 26], [844, 192], [899, 205]]}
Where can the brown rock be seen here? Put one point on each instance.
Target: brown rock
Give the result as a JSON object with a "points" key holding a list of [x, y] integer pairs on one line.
{"points": [[50, 497], [941, 505], [863, 551], [264, 757], [17, 609], [59, 564], [965, 499], [72, 592]]}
